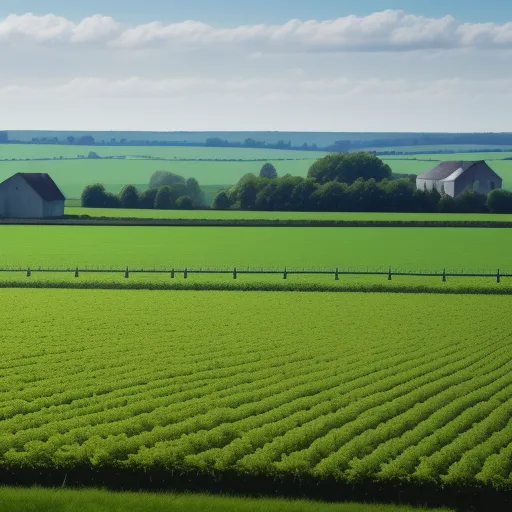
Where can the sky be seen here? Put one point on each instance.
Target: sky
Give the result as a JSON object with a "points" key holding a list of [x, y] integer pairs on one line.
{"points": [[165, 65]]}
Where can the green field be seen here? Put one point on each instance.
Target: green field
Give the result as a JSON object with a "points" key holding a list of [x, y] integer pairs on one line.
{"points": [[33, 151], [165, 247], [59, 500], [239, 214], [73, 175], [356, 387]]}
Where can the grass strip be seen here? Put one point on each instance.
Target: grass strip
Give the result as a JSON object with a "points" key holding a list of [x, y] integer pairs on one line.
{"points": [[260, 287], [63, 500]]}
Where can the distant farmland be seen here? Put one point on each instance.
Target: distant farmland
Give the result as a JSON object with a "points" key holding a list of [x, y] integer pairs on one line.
{"points": [[214, 168]]}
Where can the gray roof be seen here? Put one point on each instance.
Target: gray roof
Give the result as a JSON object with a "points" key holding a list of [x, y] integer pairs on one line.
{"points": [[43, 185], [445, 169]]}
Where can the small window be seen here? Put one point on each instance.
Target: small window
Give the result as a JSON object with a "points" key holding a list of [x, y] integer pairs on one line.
{"points": [[492, 186]]}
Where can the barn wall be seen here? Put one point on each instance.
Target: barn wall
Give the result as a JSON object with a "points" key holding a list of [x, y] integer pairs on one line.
{"points": [[53, 208], [420, 185], [478, 173], [19, 200]]}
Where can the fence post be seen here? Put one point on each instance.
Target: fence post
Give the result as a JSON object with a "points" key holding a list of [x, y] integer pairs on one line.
{"points": [[76, 272], [29, 273], [498, 277], [185, 274], [444, 275], [389, 274], [337, 275], [234, 273], [126, 273], [285, 274], [172, 274]]}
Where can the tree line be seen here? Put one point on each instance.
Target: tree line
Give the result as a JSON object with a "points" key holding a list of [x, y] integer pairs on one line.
{"points": [[167, 191], [354, 182]]}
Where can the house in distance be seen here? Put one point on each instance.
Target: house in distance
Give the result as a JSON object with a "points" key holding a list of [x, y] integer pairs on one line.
{"points": [[30, 196], [455, 177]]}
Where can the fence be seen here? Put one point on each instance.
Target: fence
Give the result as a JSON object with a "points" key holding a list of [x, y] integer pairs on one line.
{"points": [[234, 272]]}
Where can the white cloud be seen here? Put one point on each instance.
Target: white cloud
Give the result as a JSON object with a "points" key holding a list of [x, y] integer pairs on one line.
{"points": [[390, 30], [286, 86], [30, 28]]}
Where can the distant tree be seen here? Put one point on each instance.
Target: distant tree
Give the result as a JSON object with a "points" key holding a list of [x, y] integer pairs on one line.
{"points": [[222, 201], [300, 199], [499, 201], [184, 203], [93, 155], [71, 139], [163, 198], [331, 196], [94, 196], [268, 171], [470, 202], [4, 137], [112, 201], [85, 140], [129, 197], [216, 142], [446, 204], [160, 178], [195, 192], [347, 168], [147, 199], [246, 190]]}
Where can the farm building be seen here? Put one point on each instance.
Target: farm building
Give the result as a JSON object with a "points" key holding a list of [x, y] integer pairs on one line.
{"points": [[455, 177], [30, 196]]}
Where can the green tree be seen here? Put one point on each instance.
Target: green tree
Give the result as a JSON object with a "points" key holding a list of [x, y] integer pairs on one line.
{"points": [[347, 168], [499, 201], [147, 199], [222, 201], [163, 198], [470, 202], [129, 197], [94, 196], [195, 192], [268, 171], [160, 178], [184, 203]]}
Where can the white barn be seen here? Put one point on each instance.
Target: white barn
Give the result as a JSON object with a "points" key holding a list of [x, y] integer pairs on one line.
{"points": [[30, 196], [455, 177]]}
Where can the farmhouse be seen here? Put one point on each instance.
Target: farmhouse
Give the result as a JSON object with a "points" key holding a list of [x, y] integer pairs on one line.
{"points": [[455, 177], [30, 196]]}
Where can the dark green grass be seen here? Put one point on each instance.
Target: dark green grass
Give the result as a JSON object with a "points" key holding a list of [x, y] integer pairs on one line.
{"points": [[59, 500], [74, 209]]}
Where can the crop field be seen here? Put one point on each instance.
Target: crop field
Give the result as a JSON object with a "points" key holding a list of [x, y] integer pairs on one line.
{"points": [[355, 387], [165, 247], [239, 214]]}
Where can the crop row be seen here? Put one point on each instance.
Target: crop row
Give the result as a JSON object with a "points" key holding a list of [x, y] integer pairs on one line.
{"points": [[351, 387]]}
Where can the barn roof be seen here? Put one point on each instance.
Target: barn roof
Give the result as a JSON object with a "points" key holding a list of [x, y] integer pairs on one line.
{"points": [[43, 185], [446, 169]]}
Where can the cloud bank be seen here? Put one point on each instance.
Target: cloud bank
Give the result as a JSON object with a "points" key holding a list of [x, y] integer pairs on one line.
{"points": [[390, 30]]}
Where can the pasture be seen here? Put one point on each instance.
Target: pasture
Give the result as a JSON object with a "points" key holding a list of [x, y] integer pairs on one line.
{"points": [[210, 247], [353, 387]]}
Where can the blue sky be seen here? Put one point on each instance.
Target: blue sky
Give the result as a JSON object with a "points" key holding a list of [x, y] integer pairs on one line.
{"points": [[269, 11], [268, 65]]}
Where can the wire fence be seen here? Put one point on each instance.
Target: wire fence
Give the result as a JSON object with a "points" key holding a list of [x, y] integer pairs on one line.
{"points": [[285, 272]]}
